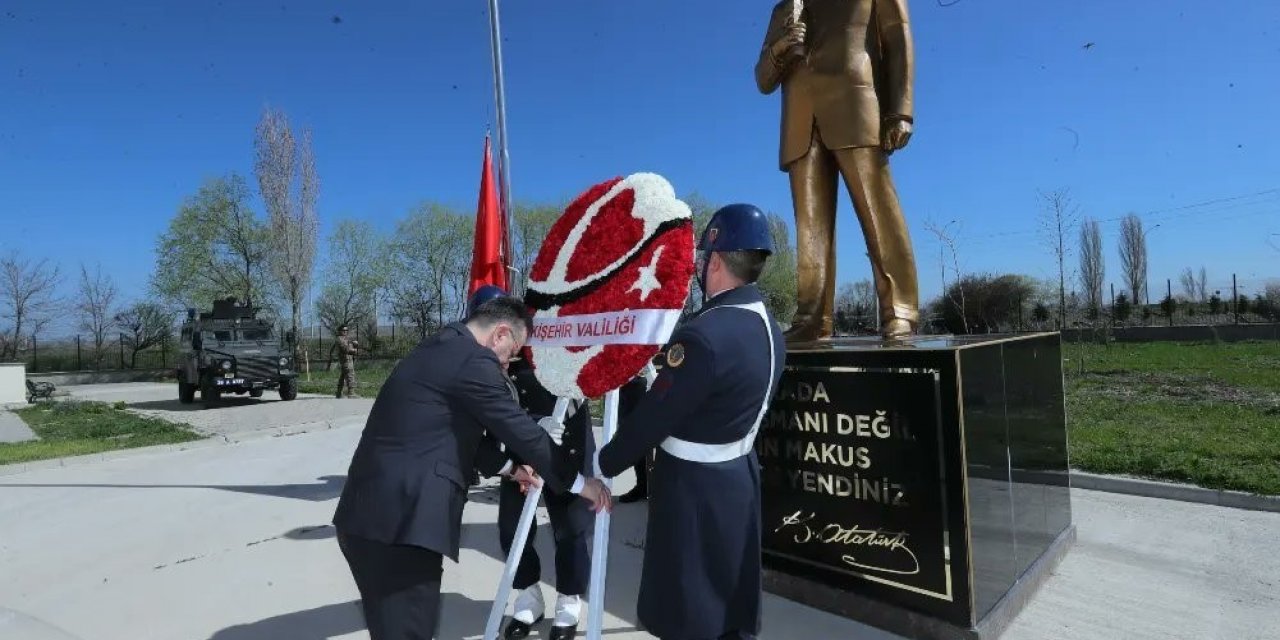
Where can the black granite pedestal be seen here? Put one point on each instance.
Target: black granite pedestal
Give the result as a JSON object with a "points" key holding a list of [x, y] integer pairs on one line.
{"points": [[920, 487]]}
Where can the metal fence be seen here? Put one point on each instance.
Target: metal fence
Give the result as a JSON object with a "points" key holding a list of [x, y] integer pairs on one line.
{"points": [[78, 353]]}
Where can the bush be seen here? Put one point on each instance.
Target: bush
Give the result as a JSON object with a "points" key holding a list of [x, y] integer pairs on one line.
{"points": [[991, 303], [1122, 309]]}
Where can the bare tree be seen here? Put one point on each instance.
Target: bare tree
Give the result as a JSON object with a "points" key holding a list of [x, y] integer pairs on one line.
{"points": [[145, 325], [947, 241], [855, 302], [27, 300], [1092, 266], [1133, 256], [1187, 279], [1195, 287], [289, 186], [96, 307], [1058, 218]]}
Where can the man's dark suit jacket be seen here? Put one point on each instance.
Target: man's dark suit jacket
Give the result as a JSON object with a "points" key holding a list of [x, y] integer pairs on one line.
{"points": [[407, 483]]}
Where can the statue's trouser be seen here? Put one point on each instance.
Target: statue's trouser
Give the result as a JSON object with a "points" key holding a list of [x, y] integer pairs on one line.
{"points": [[813, 192]]}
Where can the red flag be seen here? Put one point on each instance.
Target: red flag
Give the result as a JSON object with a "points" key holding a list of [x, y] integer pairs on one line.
{"points": [[487, 263]]}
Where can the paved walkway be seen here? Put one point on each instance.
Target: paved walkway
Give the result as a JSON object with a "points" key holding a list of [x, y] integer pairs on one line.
{"points": [[232, 542], [13, 429]]}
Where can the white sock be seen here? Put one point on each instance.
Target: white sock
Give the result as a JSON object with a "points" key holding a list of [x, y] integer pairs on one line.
{"points": [[529, 605], [568, 611]]}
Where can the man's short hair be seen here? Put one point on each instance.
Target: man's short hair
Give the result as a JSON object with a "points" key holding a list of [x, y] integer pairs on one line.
{"points": [[744, 265], [503, 309]]}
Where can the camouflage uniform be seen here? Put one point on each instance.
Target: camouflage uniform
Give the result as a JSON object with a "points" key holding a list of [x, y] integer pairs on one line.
{"points": [[347, 353]]}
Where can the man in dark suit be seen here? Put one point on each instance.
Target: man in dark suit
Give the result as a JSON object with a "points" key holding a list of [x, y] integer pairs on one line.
{"points": [[701, 578], [401, 509]]}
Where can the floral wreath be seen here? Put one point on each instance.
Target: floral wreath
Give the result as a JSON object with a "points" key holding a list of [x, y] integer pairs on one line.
{"points": [[609, 284]]}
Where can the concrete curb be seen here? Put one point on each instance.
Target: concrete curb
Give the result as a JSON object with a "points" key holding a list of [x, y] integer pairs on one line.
{"points": [[210, 440], [1172, 491]]}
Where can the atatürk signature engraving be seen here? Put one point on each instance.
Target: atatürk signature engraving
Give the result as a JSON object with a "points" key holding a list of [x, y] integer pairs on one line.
{"points": [[854, 536]]}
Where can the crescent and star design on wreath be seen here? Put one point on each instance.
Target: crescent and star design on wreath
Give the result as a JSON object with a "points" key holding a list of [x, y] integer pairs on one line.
{"points": [[609, 284]]}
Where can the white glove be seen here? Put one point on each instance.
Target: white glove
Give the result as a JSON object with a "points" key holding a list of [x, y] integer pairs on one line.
{"points": [[554, 428]]}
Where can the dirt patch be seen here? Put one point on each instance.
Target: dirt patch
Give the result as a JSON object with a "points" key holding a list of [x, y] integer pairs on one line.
{"points": [[1173, 388]]}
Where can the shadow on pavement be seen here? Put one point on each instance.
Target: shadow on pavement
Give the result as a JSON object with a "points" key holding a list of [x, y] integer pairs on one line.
{"points": [[328, 621], [328, 488], [626, 553], [461, 617], [198, 405]]}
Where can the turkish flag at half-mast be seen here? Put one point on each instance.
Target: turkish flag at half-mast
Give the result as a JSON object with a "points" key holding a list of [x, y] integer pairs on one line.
{"points": [[487, 260]]}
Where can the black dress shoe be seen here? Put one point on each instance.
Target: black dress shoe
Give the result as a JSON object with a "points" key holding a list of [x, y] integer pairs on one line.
{"points": [[564, 633], [517, 630], [633, 496]]}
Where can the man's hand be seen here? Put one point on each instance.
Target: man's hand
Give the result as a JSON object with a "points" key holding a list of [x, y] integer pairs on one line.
{"points": [[597, 494], [896, 134], [790, 47], [554, 428], [527, 477]]}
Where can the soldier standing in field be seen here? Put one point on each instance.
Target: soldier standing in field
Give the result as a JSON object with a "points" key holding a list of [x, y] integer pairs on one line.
{"points": [[347, 352]]}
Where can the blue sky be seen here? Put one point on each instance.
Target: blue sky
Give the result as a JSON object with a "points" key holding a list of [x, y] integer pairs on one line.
{"points": [[112, 113]]}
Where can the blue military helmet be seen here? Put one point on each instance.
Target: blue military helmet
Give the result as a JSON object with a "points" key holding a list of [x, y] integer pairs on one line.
{"points": [[737, 227], [482, 295]]}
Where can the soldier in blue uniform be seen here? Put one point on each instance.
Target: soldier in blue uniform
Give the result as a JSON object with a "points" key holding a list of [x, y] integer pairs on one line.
{"points": [[701, 578]]}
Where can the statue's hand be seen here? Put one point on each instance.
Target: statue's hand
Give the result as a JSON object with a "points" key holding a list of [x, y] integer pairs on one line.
{"points": [[895, 134], [790, 47]]}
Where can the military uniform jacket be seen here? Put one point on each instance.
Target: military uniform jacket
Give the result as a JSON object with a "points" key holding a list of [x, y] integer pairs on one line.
{"points": [[406, 484], [701, 575], [346, 352], [578, 444]]}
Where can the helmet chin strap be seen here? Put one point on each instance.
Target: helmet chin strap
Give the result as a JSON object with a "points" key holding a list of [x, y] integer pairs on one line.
{"points": [[702, 275]]}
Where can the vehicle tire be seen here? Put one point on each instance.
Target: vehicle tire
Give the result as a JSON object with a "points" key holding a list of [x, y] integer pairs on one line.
{"points": [[255, 393], [186, 392], [288, 388], [209, 393]]}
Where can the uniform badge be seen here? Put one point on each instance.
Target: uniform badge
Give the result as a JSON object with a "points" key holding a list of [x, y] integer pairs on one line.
{"points": [[675, 355]]}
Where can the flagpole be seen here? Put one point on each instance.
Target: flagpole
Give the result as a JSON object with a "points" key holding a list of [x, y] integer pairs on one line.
{"points": [[504, 159]]}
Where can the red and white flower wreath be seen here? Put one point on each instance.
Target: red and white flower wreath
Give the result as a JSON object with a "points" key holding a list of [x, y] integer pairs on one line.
{"points": [[609, 284]]}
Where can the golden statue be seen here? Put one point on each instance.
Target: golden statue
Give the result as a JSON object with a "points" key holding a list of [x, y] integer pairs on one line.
{"points": [[846, 69]]}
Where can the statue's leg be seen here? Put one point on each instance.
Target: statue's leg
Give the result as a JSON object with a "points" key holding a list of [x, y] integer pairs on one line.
{"points": [[813, 195], [866, 174]]}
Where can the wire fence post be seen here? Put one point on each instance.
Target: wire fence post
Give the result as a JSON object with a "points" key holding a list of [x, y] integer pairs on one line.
{"points": [[1235, 298], [35, 354], [79, 362], [122, 351]]}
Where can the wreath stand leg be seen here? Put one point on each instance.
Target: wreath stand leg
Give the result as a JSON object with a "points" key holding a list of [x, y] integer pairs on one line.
{"points": [[600, 537], [517, 545]]}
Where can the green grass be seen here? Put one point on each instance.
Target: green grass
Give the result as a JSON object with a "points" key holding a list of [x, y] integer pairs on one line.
{"points": [[369, 378], [74, 428], [1203, 413]]}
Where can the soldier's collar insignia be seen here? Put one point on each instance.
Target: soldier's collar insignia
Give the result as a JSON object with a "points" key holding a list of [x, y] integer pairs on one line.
{"points": [[675, 355]]}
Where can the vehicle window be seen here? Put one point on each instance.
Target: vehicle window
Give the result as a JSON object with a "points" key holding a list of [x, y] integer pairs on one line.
{"points": [[219, 336], [255, 334]]}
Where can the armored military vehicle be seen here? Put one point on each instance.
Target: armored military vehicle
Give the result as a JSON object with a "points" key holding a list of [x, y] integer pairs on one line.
{"points": [[231, 350]]}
